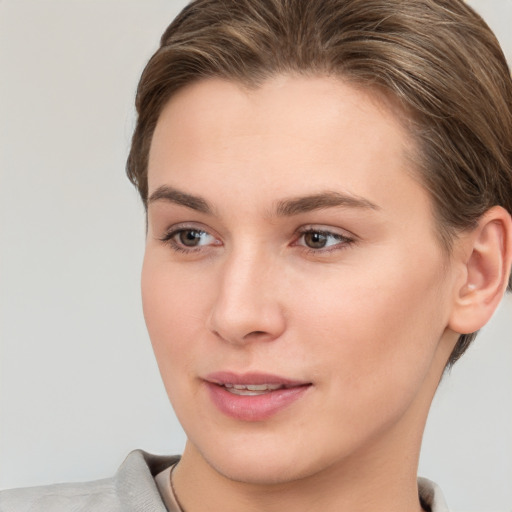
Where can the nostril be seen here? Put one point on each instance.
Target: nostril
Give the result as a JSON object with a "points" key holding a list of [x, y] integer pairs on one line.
{"points": [[254, 334]]}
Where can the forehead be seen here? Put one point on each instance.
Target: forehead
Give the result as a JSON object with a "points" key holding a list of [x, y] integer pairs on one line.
{"points": [[294, 133], [288, 105]]}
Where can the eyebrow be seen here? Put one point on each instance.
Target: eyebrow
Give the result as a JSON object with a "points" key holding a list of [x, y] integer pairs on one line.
{"points": [[330, 199], [172, 195], [283, 208]]}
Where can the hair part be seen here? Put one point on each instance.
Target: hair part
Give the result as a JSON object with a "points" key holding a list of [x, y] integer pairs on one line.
{"points": [[438, 58]]}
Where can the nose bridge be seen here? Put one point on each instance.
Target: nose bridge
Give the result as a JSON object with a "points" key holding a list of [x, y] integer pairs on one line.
{"points": [[247, 304]]}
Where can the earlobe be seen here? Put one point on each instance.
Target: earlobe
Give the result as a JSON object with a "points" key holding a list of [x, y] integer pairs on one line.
{"points": [[488, 259]]}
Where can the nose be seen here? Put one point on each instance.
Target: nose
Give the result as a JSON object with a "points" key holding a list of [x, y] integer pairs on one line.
{"points": [[247, 305]]}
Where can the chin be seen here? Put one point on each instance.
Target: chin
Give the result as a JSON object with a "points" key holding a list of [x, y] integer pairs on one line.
{"points": [[263, 461], [258, 470]]}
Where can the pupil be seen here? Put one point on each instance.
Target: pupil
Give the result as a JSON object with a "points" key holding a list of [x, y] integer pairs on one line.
{"points": [[315, 240], [190, 238]]}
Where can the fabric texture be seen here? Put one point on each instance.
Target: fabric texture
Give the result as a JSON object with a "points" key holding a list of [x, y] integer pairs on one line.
{"points": [[133, 489]]}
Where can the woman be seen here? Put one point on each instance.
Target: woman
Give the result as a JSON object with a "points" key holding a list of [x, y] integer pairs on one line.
{"points": [[328, 190]]}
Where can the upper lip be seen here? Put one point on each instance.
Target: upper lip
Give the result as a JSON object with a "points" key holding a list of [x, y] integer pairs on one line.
{"points": [[227, 377]]}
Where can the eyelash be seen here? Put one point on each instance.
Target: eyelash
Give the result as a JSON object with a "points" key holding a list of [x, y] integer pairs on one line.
{"points": [[343, 241], [169, 239]]}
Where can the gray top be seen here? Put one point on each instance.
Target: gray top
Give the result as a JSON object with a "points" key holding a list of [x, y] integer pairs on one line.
{"points": [[131, 489]]}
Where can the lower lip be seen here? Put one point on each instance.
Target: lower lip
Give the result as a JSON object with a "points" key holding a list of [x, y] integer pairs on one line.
{"points": [[255, 407]]}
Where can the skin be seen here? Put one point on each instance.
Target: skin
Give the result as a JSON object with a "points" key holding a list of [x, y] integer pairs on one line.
{"points": [[365, 319]]}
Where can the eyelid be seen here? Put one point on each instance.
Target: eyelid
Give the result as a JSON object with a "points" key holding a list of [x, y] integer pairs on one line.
{"points": [[330, 230], [180, 226], [346, 238], [172, 231]]}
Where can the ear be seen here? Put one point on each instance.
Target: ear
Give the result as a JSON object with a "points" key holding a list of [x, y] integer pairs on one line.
{"points": [[486, 257]]}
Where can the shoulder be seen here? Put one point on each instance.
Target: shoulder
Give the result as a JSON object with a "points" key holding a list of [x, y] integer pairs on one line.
{"points": [[98, 495], [131, 489]]}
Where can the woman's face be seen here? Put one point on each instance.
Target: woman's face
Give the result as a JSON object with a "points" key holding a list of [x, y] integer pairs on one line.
{"points": [[294, 289]]}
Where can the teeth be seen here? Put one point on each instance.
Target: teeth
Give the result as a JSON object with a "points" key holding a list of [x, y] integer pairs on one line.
{"points": [[251, 389]]}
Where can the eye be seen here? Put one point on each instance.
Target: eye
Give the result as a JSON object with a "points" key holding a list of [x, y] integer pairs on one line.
{"points": [[192, 237], [316, 240], [188, 239], [319, 239]]}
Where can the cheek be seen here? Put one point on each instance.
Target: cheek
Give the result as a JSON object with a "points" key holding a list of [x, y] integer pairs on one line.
{"points": [[172, 311], [374, 349], [377, 326]]}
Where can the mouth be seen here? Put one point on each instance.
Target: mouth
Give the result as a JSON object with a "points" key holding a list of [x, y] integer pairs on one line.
{"points": [[253, 396], [253, 382], [252, 389]]}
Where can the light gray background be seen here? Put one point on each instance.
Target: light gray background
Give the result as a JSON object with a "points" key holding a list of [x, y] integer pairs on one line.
{"points": [[79, 387]]}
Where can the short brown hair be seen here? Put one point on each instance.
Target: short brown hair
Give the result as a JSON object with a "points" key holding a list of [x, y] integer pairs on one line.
{"points": [[438, 58]]}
